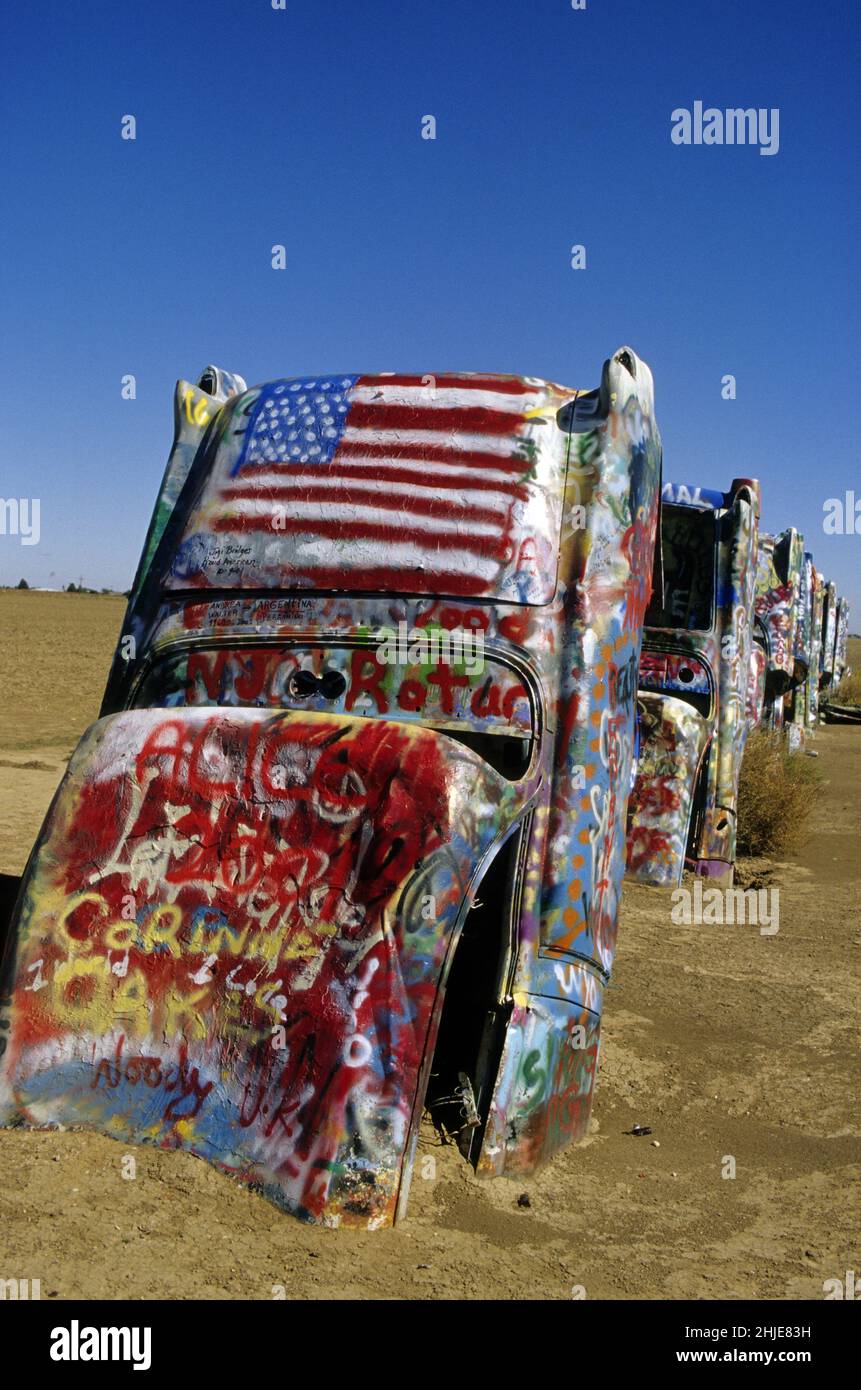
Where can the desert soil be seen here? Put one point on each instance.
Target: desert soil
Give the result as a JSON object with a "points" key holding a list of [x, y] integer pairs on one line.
{"points": [[724, 1042]]}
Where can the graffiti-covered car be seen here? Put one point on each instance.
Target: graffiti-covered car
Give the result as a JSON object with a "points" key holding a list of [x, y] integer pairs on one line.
{"points": [[779, 571], [803, 706], [834, 666], [348, 838], [694, 679], [829, 655], [840, 641], [815, 651], [798, 699]]}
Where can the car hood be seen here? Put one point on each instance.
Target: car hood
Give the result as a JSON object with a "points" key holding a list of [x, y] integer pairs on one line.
{"points": [[232, 938]]}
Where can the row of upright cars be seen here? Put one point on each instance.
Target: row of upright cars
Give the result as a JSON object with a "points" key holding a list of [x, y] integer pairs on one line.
{"points": [[744, 633], [299, 885]]}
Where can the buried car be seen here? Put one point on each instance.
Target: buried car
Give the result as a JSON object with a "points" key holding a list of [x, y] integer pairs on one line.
{"points": [[803, 699], [348, 838], [815, 653], [779, 571], [832, 661], [829, 632], [694, 702], [840, 641]]}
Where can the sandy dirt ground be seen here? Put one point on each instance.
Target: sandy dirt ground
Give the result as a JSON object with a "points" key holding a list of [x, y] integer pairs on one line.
{"points": [[725, 1042]]}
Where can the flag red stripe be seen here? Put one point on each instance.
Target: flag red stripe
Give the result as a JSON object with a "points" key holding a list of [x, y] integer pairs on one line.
{"points": [[487, 547], [433, 453], [441, 507], [463, 419], [343, 471], [509, 386], [399, 581]]}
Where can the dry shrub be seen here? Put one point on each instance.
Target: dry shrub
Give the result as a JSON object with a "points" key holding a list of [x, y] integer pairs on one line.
{"points": [[776, 794], [848, 692]]}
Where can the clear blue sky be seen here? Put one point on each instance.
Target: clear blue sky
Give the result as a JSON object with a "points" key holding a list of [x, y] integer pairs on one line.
{"points": [[257, 126]]}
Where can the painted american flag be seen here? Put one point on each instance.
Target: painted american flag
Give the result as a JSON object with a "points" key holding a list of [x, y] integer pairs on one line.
{"points": [[391, 483]]}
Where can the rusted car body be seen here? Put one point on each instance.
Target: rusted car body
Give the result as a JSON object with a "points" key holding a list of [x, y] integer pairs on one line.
{"points": [[779, 571], [316, 866], [695, 686]]}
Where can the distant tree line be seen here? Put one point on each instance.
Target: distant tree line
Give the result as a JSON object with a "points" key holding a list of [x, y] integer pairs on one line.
{"points": [[71, 589]]}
